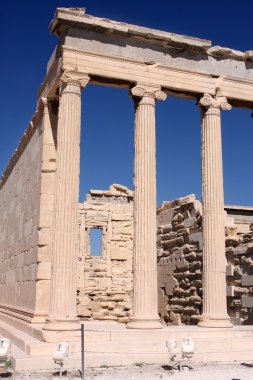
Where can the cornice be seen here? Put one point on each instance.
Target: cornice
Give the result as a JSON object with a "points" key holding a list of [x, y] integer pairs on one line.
{"points": [[76, 17]]}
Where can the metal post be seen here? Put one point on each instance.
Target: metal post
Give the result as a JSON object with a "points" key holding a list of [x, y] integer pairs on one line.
{"points": [[82, 348], [61, 368]]}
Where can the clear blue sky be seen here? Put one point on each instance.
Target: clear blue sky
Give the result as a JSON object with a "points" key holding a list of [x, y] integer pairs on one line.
{"points": [[107, 124]]}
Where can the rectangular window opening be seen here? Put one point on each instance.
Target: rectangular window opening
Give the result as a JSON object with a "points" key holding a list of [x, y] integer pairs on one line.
{"points": [[96, 234]]}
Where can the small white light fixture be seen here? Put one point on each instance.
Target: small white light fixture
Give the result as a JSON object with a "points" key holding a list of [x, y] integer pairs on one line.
{"points": [[181, 357], [172, 348], [188, 348], [60, 355], [5, 352]]}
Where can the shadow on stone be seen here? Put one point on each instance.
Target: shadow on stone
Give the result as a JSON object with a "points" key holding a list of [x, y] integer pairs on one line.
{"points": [[247, 364], [58, 373]]}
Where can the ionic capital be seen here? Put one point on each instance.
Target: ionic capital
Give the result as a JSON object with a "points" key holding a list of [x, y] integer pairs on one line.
{"points": [[73, 78], [219, 102], [43, 103], [143, 90]]}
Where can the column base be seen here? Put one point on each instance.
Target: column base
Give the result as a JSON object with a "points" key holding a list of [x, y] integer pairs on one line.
{"points": [[61, 330], [148, 324], [217, 322]]}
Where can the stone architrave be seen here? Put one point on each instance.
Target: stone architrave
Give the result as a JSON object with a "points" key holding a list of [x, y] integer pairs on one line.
{"points": [[145, 304], [214, 260], [63, 310]]}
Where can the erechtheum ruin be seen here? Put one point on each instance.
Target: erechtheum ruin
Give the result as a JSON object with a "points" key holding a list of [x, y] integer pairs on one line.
{"points": [[162, 271]]}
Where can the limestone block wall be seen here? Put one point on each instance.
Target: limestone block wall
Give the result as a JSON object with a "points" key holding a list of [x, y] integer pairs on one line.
{"points": [[239, 253], [105, 282], [26, 199], [179, 243]]}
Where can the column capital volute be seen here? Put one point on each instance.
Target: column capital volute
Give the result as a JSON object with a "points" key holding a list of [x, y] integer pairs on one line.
{"points": [[74, 78], [142, 90], [219, 102]]}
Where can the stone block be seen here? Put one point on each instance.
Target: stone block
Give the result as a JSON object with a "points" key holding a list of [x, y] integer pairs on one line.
{"points": [[46, 219], [196, 238], [230, 291], [118, 313], [118, 297], [189, 222], [45, 236], [47, 202], [47, 185], [120, 253], [229, 270], [120, 217], [104, 283], [232, 241], [43, 271], [250, 247], [49, 152], [247, 279], [173, 242], [247, 301], [43, 253], [82, 311], [42, 296]]}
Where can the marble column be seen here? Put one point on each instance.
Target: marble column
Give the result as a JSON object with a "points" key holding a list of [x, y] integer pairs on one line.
{"points": [[145, 308], [63, 312], [214, 260]]}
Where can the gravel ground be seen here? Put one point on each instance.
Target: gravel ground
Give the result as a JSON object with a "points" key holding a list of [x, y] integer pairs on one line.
{"points": [[212, 371]]}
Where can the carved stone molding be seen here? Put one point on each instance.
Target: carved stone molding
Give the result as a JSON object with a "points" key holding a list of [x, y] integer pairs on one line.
{"points": [[219, 102]]}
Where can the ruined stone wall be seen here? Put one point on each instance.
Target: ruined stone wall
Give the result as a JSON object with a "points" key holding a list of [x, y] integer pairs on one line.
{"points": [[105, 282], [239, 253], [26, 214], [179, 242]]}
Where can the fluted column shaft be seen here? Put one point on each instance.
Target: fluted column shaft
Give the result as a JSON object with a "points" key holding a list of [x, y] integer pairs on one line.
{"points": [[145, 309], [214, 260], [63, 312]]}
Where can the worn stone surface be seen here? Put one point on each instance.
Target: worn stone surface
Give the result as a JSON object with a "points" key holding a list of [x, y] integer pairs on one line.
{"points": [[174, 304], [105, 283], [26, 195], [179, 263]]}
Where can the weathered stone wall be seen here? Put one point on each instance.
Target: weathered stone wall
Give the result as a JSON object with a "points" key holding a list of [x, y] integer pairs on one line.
{"points": [[105, 283], [26, 214], [239, 253], [19, 215], [179, 243]]}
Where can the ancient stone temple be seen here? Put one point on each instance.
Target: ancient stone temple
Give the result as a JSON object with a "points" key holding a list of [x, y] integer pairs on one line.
{"points": [[50, 281]]}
